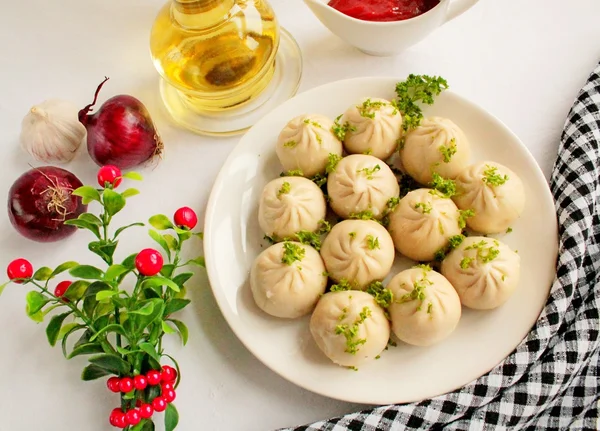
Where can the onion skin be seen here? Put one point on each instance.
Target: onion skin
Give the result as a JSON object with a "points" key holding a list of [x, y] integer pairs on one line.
{"points": [[121, 132], [40, 201]]}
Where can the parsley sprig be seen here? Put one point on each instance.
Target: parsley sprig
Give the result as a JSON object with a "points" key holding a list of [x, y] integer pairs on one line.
{"points": [[417, 88]]}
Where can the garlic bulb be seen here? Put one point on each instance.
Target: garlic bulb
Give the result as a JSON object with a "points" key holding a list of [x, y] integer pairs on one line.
{"points": [[51, 131]]}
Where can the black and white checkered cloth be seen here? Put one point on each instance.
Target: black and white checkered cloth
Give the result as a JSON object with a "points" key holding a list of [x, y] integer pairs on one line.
{"points": [[552, 380]]}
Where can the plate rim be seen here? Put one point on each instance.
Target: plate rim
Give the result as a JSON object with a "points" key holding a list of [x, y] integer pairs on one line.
{"points": [[211, 267]]}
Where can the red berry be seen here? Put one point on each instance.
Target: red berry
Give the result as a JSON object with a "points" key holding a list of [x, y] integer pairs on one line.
{"points": [[19, 268], [133, 417], [168, 374], [169, 396], [168, 386], [113, 384], [149, 262], [153, 377], [140, 382], [117, 418], [126, 384], [146, 411], [61, 289], [185, 217], [109, 174], [159, 404]]}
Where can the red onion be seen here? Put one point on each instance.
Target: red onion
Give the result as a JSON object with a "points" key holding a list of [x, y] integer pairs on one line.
{"points": [[121, 132], [40, 201]]}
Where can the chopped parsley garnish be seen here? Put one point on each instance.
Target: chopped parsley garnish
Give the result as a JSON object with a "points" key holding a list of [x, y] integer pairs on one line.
{"points": [[485, 254], [453, 242], [509, 230], [448, 150], [312, 123], [368, 152], [332, 161], [353, 343], [285, 189], [369, 172], [293, 173], [372, 242], [290, 144], [392, 204], [492, 177], [363, 215], [325, 274], [342, 286], [352, 234], [425, 207], [292, 253], [466, 262], [418, 292], [344, 314], [429, 308], [400, 143], [463, 216], [424, 267], [368, 108], [384, 297], [314, 238], [440, 255], [340, 130], [319, 179], [446, 187], [417, 88]]}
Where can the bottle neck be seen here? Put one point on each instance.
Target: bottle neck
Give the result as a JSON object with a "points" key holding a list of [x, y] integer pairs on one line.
{"points": [[187, 12]]}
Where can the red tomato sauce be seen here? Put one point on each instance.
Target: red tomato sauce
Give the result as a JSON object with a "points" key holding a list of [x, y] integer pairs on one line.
{"points": [[383, 10]]}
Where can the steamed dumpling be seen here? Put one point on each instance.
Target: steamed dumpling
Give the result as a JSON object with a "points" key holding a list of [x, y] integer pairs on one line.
{"points": [[494, 193], [374, 127], [287, 279], [305, 144], [437, 145], [349, 327], [358, 251], [484, 272], [426, 308], [361, 183], [289, 205], [423, 223]]}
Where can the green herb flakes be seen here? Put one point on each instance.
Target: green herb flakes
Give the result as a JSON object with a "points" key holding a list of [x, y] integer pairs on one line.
{"points": [[350, 332], [293, 173], [369, 172], [369, 108], [352, 235], [509, 230], [392, 204], [425, 207], [466, 262], [332, 161], [285, 189], [342, 286], [429, 308], [312, 123], [290, 144], [463, 216], [384, 297], [363, 215], [292, 253], [446, 187], [340, 130], [492, 178], [372, 242], [448, 150], [485, 254], [417, 88]]}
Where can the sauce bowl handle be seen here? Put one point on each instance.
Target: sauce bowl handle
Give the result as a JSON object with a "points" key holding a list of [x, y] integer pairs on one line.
{"points": [[458, 7]]}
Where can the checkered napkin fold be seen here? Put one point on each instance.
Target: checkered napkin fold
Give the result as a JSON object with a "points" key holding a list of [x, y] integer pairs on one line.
{"points": [[552, 380]]}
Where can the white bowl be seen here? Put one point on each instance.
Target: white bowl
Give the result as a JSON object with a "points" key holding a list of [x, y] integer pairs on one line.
{"points": [[386, 38]]}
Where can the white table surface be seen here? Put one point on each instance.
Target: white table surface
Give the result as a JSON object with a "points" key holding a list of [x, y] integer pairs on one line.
{"points": [[523, 60]]}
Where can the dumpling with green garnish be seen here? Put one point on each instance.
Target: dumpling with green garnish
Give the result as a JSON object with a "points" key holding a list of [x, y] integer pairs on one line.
{"points": [[484, 271], [289, 205], [372, 126], [495, 194], [287, 279], [349, 327], [359, 184], [306, 143], [358, 252], [436, 145], [425, 309], [423, 223]]}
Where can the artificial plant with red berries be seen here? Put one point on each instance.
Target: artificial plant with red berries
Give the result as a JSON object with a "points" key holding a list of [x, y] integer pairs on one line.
{"points": [[118, 315]]}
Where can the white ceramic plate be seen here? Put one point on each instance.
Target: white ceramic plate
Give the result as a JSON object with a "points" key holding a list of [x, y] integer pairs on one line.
{"points": [[403, 374]]}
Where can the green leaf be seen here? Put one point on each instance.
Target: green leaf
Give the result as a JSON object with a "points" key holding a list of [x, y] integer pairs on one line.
{"points": [[104, 295], [103, 249], [66, 329], [93, 372], [144, 425], [129, 261], [90, 218], [150, 294], [88, 193], [86, 349], [35, 302], [76, 290], [181, 279], [200, 235], [171, 417], [63, 267], [141, 322], [199, 261], [133, 176], [87, 272], [83, 224], [105, 308], [89, 301], [150, 350], [121, 229], [66, 336], [167, 328], [117, 329], [160, 281], [183, 330], [115, 271], [167, 270], [171, 241], [112, 363], [3, 286], [113, 202], [161, 241], [54, 326], [144, 310], [42, 274], [161, 222], [183, 235], [130, 192], [175, 305]]}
